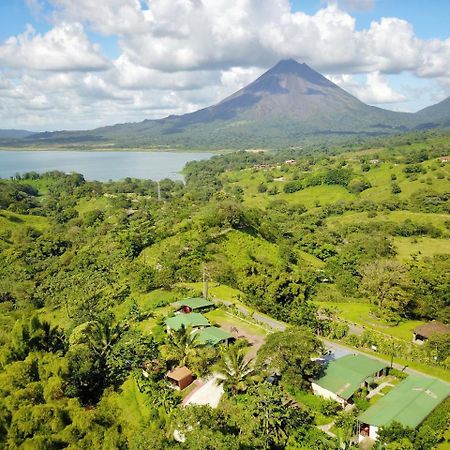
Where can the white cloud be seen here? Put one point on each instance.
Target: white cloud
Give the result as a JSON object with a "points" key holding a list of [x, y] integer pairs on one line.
{"points": [[375, 91], [64, 48]]}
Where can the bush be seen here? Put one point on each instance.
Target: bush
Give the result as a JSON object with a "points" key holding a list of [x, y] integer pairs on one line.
{"points": [[329, 408]]}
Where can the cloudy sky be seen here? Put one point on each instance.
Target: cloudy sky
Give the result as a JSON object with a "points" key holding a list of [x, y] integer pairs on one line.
{"points": [[71, 64]]}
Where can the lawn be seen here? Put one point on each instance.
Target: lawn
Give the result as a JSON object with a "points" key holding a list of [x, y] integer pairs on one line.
{"points": [[348, 218], [360, 313], [92, 204], [309, 197], [224, 319], [11, 222], [422, 247]]}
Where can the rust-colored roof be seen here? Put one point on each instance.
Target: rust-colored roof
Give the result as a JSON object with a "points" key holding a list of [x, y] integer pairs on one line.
{"points": [[431, 328], [180, 373]]}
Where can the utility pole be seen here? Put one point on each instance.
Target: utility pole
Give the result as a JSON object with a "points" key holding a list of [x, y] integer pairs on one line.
{"points": [[205, 282], [159, 191]]}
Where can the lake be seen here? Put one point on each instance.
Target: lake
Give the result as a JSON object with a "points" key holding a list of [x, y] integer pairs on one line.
{"points": [[101, 166]]}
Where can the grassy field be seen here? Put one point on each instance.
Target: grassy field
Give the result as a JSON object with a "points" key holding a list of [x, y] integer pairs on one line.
{"points": [[360, 313], [85, 205], [438, 220], [420, 247], [11, 222], [220, 317], [309, 197]]}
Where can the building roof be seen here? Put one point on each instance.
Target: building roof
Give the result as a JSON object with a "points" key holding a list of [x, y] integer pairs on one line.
{"points": [[409, 403], [212, 335], [343, 376], [431, 328], [196, 303], [187, 320], [180, 373]]}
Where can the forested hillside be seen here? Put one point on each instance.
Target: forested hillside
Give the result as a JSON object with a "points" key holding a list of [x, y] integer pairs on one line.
{"points": [[324, 239]]}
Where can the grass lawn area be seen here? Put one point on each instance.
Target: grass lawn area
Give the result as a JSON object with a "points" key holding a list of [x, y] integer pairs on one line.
{"points": [[423, 247], [359, 313], [308, 197], [220, 317], [10, 221], [85, 205], [350, 217]]}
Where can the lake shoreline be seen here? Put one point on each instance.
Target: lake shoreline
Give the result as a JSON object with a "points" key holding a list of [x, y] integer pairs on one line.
{"points": [[115, 149]]}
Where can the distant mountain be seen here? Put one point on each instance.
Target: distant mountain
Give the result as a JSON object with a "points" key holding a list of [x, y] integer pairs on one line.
{"points": [[435, 115], [14, 134], [288, 103]]}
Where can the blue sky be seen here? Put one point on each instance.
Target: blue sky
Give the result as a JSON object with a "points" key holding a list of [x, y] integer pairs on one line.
{"points": [[86, 63]]}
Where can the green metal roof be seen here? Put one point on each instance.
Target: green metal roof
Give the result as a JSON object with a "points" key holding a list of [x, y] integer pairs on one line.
{"points": [[409, 403], [196, 303], [188, 320], [344, 376], [212, 335]]}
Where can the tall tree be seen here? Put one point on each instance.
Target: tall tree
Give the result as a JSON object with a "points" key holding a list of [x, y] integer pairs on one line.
{"points": [[289, 353], [387, 282]]}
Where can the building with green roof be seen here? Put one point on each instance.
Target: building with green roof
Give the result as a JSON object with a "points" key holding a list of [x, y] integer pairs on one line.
{"points": [[194, 320], [409, 403], [213, 336], [344, 376], [195, 304]]}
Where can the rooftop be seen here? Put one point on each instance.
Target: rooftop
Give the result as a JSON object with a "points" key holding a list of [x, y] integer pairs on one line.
{"points": [[409, 403], [180, 373], [212, 335], [187, 320], [344, 376], [431, 328], [196, 303]]}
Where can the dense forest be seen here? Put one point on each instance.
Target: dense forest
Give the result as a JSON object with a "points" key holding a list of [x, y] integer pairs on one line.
{"points": [[89, 271]]}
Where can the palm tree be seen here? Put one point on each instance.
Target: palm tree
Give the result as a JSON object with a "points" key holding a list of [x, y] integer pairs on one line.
{"points": [[234, 370], [181, 344], [102, 335]]}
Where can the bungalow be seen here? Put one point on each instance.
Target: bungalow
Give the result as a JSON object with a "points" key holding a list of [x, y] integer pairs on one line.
{"points": [[193, 320], [197, 304], [409, 403], [425, 331], [181, 377], [213, 336], [345, 376]]}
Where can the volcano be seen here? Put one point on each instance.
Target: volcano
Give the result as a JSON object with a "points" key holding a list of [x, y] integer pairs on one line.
{"points": [[287, 104]]}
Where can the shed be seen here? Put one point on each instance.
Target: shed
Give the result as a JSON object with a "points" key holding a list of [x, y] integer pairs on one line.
{"points": [[346, 375], [425, 331], [410, 403], [193, 320], [213, 336], [195, 304], [181, 377]]}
